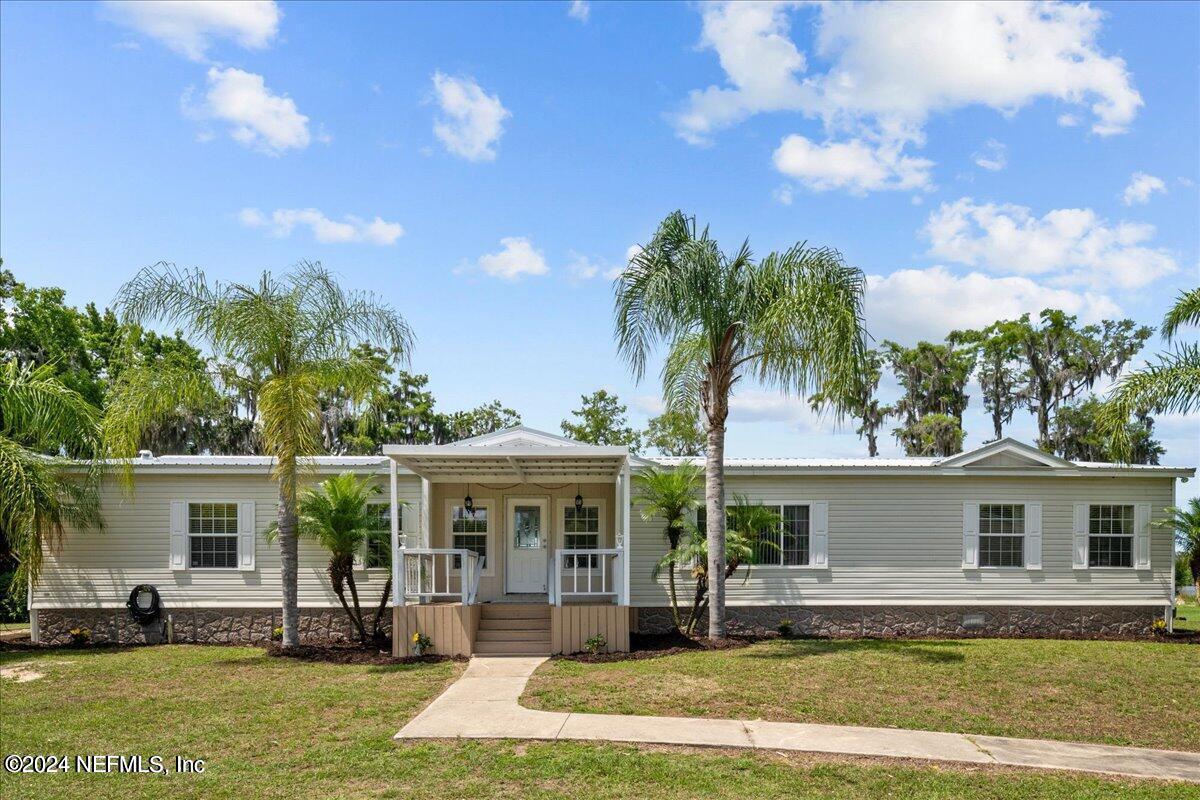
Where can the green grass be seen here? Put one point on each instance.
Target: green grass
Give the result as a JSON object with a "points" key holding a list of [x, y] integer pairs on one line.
{"points": [[13, 626], [1126, 693], [271, 728], [1187, 614]]}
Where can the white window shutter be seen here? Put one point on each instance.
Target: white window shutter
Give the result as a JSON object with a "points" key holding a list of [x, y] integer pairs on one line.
{"points": [[1079, 557], [970, 553], [820, 535], [1033, 536], [1141, 536], [178, 535], [247, 539]]}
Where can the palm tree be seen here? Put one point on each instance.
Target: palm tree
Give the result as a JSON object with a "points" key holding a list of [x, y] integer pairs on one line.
{"points": [[744, 542], [335, 514], [1171, 384], [669, 495], [293, 338], [1186, 524], [792, 321], [41, 491]]}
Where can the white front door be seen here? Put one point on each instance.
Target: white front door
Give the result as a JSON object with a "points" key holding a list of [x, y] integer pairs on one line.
{"points": [[528, 535]]}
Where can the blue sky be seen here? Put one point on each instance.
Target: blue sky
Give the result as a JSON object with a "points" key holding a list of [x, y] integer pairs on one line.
{"points": [[486, 167]]}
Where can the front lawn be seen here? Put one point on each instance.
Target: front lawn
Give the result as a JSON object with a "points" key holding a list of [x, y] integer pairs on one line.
{"points": [[1187, 614], [1126, 693], [273, 728]]}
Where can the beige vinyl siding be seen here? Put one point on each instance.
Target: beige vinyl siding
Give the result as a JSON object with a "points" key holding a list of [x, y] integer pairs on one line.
{"points": [[100, 568], [898, 541]]}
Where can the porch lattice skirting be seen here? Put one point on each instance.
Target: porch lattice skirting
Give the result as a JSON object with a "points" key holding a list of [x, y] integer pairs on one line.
{"points": [[916, 621]]}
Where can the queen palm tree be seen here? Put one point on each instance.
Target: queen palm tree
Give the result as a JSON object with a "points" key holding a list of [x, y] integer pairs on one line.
{"points": [[292, 337], [1171, 384], [670, 496], [335, 514], [41, 491], [791, 321]]}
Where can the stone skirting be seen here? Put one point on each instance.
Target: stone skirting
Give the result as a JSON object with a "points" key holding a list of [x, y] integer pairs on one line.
{"points": [[197, 625], [912, 621]]}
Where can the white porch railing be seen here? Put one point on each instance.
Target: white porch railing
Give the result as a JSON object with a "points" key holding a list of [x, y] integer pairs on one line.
{"points": [[429, 573], [586, 574]]}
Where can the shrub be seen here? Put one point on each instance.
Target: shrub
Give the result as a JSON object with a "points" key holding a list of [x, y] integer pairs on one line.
{"points": [[784, 627], [422, 644], [595, 644], [80, 636]]}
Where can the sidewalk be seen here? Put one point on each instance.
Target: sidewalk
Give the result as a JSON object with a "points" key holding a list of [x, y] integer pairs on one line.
{"points": [[483, 704]]}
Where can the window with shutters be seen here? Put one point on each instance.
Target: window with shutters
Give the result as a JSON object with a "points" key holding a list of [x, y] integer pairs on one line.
{"points": [[378, 546], [790, 545], [1110, 535], [213, 535], [1002, 535]]}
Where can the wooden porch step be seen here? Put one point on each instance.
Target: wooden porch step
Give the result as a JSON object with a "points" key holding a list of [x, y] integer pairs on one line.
{"points": [[514, 623], [515, 611], [529, 635], [512, 648]]}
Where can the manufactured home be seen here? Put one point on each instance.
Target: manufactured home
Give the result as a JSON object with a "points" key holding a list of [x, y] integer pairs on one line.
{"points": [[521, 541]]}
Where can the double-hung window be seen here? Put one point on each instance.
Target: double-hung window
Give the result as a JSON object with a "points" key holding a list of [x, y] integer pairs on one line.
{"points": [[212, 535], [469, 531], [378, 547], [1110, 535], [581, 531], [1002, 535], [790, 545]]}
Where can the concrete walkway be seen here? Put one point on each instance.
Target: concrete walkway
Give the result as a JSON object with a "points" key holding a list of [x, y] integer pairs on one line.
{"points": [[483, 704]]}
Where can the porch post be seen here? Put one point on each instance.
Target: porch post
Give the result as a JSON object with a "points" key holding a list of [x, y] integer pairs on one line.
{"points": [[626, 542], [426, 512], [397, 549]]}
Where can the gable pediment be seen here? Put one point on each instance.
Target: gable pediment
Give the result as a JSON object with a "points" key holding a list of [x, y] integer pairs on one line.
{"points": [[1005, 453]]}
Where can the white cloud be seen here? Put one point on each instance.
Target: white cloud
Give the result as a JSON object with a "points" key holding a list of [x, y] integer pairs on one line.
{"points": [[764, 405], [325, 230], [1068, 120], [1140, 187], [992, 156], [258, 119], [580, 10], [1071, 244], [853, 165], [517, 257], [189, 26], [783, 195], [892, 65], [471, 121], [582, 268], [913, 304]]}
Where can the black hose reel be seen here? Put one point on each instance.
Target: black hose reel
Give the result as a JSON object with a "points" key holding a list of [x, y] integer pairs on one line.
{"points": [[144, 603]]}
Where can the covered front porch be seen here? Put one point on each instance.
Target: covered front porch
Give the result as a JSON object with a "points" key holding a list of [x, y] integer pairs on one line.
{"points": [[510, 519]]}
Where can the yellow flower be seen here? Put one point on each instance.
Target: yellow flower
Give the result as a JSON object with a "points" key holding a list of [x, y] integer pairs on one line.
{"points": [[416, 637]]}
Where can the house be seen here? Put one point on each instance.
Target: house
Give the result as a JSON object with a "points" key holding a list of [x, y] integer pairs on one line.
{"points": [[521, 541]]}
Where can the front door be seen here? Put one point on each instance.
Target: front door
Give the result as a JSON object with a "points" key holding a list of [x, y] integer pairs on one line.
{"points": [[525, 570]]}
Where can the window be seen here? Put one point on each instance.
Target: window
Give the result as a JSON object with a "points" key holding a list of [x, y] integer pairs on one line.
{"points": [[787, 547], [213, 535], [1002, 535], [1110, 536], [581, 531], [378, 554], [469, 531]]}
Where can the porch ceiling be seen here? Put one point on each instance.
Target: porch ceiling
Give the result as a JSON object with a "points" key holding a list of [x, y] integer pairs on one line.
{"points": [[453, 464]]}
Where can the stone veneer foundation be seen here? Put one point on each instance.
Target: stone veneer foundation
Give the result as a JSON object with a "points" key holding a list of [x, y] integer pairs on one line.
{"points": [[256, 625], [914, 621], [196, 625]]}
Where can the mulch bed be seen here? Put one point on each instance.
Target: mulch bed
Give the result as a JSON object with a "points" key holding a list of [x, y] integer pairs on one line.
{"points": [[350, 653]]}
